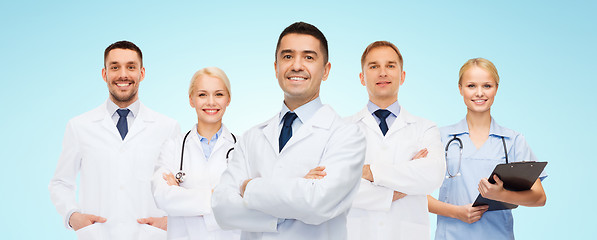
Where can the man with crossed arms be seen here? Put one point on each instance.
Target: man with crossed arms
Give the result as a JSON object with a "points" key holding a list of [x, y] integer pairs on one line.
{"points": [[404, 160]]}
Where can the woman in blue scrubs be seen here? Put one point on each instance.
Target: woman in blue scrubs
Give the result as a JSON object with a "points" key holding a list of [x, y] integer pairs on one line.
{"points": [[482, 150]]}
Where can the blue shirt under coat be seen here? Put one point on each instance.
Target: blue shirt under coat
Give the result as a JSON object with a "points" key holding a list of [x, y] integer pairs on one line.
{"points": [[394, 109], [208, 144], [477, 164]]}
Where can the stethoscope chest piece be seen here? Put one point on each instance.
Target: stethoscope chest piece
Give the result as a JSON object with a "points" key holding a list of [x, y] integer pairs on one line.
{"points": [[180, 177]]}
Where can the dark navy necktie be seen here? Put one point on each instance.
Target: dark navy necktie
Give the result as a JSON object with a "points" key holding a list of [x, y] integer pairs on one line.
{"points": [[286, 132], [122, 126], [382, 114]]}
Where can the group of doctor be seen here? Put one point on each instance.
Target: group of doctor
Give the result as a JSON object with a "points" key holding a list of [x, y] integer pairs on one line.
{"points": [[306, 173]]}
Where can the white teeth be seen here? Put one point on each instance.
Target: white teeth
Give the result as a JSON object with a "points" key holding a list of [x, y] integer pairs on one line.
{"points": [[297, 78], [122, 84], [211, 111], [479, 101]]}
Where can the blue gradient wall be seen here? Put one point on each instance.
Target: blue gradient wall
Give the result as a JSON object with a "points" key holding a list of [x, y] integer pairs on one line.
{"points": [[51, 60]]}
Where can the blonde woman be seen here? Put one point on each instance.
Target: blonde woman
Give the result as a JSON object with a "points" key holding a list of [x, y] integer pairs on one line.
{"points": [[484, 145], [191, 165]]}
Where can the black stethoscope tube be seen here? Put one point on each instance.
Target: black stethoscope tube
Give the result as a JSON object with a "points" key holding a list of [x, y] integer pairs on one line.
{"points": [[460, 156], [180, 175]]}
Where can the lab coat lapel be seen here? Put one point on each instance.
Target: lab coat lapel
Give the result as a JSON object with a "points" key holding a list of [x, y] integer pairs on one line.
{"points": [[105, 119], [145, 117], [225, 136], [271, 133], [402, 120], [196, 143], [323, 118], [369, 121]]}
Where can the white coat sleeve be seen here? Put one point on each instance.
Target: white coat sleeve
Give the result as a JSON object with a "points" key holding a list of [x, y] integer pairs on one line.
{"points": [[417, 177], [175, 200], [372, 197], [63, 184], [228, 207], [315, 201]]}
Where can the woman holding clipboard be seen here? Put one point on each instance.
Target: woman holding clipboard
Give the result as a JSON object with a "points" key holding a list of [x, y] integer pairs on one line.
{"points": [[474, 146]]}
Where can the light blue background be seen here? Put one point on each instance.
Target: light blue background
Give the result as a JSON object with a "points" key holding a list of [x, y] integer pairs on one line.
{"points": [[51, 60]]}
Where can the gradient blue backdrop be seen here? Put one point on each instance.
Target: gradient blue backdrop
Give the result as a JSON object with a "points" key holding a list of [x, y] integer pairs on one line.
{"points": [[51, 60]]}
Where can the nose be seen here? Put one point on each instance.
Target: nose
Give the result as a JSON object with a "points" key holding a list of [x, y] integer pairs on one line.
{"points": [[479, 92], [211, 100], [122, 75], [297, 64], [383, 72]]}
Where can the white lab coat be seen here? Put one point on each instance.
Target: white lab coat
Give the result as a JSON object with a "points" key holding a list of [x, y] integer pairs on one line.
{"points": [[115, 175], [189, 206], [373, 214], [306, 208]]}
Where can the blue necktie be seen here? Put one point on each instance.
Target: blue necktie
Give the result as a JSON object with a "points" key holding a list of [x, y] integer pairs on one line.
{"points": [[382, 114], [122, 126], [286, 132]]}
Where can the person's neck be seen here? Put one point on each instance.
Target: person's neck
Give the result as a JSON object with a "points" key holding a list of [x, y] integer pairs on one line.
{"points": [[478, 122], [294, 103], [208, 130], [122, 104], [384, 103]]}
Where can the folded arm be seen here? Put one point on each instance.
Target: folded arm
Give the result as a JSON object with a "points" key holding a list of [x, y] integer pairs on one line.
{"points": [[228, 206], [418, 177], [314, 201]]}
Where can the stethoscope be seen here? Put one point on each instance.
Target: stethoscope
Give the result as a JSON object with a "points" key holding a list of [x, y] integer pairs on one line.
{"points": [[460, 156], [180, 175]]}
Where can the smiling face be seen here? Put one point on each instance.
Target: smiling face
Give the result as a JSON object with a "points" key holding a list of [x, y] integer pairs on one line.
{"points": [[210, 98], [382, 75], [300, 68], [123, 73], [478, 88]]}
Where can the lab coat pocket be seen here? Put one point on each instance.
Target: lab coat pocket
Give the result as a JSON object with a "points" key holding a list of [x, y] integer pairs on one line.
{"points": [[90, 232], [148, 232]]}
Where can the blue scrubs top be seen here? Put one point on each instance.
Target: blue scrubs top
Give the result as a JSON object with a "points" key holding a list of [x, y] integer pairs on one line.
{"points": [[477, 164]]}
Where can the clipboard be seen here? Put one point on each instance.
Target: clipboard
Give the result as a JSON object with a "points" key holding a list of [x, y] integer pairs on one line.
{"points": [[517, 176]]}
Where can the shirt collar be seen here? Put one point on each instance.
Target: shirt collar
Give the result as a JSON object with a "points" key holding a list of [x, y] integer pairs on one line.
{"points": [[134, 107], [494, 129], [394, 108], [304, 112]]}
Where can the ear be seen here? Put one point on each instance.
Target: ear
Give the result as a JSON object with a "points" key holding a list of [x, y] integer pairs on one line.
{"points": [[276, 68], [191, 101], [326, 72], [104, 76], [402, 78], [142, 74], [362, 77], [460, 89]]}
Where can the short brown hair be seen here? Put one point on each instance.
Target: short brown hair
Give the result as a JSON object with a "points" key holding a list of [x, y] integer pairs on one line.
{"points": [[123, 45], [306, 29], [379, 44]]}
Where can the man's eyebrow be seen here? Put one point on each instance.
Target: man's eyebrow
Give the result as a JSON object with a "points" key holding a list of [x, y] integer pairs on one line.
{"points": [[286, 51], [372, 63], [310, 52]]}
